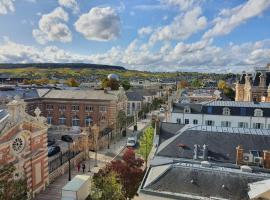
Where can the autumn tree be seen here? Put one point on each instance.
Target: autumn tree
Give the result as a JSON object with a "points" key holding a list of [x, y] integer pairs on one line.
{"points": [[71, 82], [146, 143], [182, 84], [130, 172], [226, 89], [105, 186], [222, 85], [12, 187], [111, 83]]}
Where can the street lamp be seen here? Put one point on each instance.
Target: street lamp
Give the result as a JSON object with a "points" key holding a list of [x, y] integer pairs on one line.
{"points": [[69, 140]]}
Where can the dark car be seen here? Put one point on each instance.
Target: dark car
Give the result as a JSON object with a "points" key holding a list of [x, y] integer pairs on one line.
{"points": [[52, 150]]}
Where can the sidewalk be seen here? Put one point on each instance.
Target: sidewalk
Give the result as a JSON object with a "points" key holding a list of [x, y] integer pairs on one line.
{"points": [[53, 191]]}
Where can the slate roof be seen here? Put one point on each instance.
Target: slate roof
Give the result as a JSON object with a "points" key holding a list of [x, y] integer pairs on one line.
{"points": [[145, 92], [221, 144], [168, 130], [81, 94], [217, 108], [134, 96], [195, 181], [24, 93]]}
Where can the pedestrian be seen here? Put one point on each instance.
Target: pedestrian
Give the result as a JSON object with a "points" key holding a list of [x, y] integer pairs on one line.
{"points": [[79, 167], [83, 167]]}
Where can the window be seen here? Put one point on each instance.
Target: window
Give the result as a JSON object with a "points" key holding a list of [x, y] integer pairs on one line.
{"points": [[209, 123], [258, 113], [75, 107], [62, 107], [62, 120], [258, 125], [49, 119], [89, 108], [226, 111], [209, 110], [186, 121], [49, 107], [195, 121], [75, 121], [138, 106], [102, 108], [187, 109], [226, 124], [88, 121], [242, 124], [178, 120], [243, 111]]}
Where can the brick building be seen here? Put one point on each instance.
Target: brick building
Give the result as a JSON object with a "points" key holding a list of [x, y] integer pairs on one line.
{"points": [[79, 108], [23, 142]]}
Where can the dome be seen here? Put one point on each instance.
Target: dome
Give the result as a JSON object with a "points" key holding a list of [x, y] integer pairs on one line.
{"points": [[113, 76]]}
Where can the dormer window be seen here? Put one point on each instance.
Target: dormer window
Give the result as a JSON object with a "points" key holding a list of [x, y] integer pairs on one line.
{"points": [[258, 113], [226, 111], [187, 109]]}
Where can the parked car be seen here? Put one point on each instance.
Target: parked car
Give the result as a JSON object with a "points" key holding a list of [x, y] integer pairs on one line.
{"points": [[52, 150], [132, 141]]}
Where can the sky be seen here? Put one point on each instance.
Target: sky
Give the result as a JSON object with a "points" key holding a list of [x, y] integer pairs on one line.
{"points": [[149, 35]]}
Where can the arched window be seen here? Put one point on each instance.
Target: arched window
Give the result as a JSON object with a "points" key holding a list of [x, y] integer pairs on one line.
{"points": [[187, 109], [62, 120], [75, 121], [88, 121], [226, 111], [258, 113]]}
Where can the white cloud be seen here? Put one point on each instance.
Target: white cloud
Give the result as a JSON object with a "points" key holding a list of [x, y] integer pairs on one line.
{"points": [[6, 6], [52, 27], [231, 18], [182, 27], [101, 24], [182, 4], [71, 4], [145, 30]]}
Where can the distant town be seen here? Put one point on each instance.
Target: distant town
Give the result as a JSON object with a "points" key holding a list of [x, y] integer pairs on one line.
{"points": [[66, 132]]}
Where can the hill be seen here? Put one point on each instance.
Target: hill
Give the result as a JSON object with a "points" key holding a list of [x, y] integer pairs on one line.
{"points": [[60, 65]]}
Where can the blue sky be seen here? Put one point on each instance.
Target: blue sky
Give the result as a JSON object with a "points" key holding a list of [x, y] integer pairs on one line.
{"points": [[152, 35]]}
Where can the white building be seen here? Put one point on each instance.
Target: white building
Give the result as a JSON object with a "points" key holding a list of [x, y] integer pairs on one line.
{"points": [[223, 113], [135, 102]]}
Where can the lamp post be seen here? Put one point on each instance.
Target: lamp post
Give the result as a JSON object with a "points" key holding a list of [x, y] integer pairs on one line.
{"points": [[69, 140]]}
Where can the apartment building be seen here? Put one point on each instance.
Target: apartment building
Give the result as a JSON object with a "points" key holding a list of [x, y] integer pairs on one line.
{"points": [[223, 113]]}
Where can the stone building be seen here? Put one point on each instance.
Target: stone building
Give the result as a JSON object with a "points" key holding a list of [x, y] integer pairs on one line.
{"points": [[23, 142], [79, 108], [253, 87]]}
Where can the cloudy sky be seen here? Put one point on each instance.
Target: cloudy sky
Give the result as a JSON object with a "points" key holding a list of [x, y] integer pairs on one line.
{"points": [[152, 35]]}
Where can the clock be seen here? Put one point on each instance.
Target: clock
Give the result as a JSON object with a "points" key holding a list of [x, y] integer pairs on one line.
{"points": [[18, 144]]}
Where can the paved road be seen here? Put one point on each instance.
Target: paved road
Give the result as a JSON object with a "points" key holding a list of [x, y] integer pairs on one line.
{"points": [[53, 191]]}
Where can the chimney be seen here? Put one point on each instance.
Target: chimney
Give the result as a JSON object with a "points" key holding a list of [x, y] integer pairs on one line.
{"points": [[239, 154], [205, 152], [266, 159], [196, 150], [262, 80]]}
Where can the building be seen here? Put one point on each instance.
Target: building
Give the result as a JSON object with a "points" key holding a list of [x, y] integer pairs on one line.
{"points": [[206, 162], [23, 142], [135, 102], [79, 108], [252, 87], [223, 113]]}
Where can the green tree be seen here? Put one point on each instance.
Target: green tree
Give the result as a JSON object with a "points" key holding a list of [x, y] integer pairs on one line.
{"points": [[111, 83], [196, 83], [105, 186], [146, 143], [12, 188], [121, 120], [126, 84]]}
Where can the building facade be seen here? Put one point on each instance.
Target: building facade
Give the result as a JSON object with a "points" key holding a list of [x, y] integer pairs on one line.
{"points": [[252, 87], [23, 142], [79, 108], [223, 113]]}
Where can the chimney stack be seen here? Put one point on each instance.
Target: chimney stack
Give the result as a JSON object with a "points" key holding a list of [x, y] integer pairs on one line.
{"points": [[266, 159], [239, 154]]}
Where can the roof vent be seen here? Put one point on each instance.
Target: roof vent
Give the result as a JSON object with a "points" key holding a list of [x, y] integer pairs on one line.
{"points": [[205, 164], [245, 168]]}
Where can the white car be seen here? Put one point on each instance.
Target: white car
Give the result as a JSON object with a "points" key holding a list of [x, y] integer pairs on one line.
{"points": [[132, 141]]}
